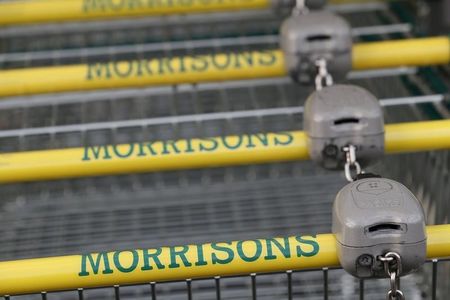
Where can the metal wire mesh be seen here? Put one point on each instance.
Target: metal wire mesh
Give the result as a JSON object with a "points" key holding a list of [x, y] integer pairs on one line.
{"points": [[142, 210]]}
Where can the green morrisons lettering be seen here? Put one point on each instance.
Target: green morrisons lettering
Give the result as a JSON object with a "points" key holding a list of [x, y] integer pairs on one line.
{"points": [[144, 147], [310, 242], [96, 152], [188, 146], [201, 257], [170, 145], [284, 248], [148, 254], [249, 257], [103, 263], [90, 6], [95, 264], [126, 153], [181, 253], [98, 70], [208, 145], [262, 138], [283, 139], [229, 145], [217, 258], [176, 65], [120, 266]]}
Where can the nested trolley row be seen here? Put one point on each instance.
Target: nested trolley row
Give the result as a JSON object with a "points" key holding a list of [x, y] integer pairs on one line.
{"points": [[140, 210]]}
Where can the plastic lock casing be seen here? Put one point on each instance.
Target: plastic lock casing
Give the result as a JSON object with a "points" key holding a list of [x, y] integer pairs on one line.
{"points": [[306, 38], [339, 115], [372, 217]]}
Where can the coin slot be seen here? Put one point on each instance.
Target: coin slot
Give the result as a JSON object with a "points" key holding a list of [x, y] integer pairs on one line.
{"points": [[318, 37], [385, 227], [346, 121]]}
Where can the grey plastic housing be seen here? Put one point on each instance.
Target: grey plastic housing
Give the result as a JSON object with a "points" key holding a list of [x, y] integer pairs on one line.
{"points": [[306, 38], [339, 115], [374, 216]]}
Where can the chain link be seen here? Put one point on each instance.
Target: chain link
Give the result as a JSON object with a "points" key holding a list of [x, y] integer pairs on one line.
{"points": [[350, 155], [393, 267], [322, 74], [300, 8]]}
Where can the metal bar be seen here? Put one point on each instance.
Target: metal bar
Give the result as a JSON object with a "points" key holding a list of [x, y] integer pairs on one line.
{"points": [[131, 24], [153, 121], [217, 281], [434, 280], [116, 292], [112, 95], [325, 283], [289, 277], [382, 29], [84, 53], [208, 68], [361, 289], [151, 47], [253, 277], [179, 119], [42, 11], [198, 153], [153, 289], [180, 262], [189, 288]]}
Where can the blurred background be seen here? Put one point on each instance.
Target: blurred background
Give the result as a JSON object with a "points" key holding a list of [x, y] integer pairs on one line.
{"points": [[61, 217]]}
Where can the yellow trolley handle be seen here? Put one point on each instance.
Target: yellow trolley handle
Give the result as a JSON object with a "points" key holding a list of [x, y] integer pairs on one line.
{"points": [[207, 68], [182, 262], [198, 153], [43, 11]]}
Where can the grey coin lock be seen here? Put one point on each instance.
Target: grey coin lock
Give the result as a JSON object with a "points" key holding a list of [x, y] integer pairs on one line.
{"points": [[306, 38], [372, 217], [338, 116]]}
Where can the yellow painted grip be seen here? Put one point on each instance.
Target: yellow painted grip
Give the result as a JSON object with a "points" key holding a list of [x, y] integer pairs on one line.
{"points": [[146, 72], [411, 52], [153, 156], [207, 68], [417, 136], [42, 11], [198, 153], [184, 262]]}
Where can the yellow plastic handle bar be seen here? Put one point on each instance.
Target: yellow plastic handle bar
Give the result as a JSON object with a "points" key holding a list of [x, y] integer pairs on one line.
{"points": [[44, 11], [207, 68], [198, 153], [139, 266]]}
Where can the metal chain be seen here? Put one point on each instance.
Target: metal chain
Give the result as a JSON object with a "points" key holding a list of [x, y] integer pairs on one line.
{"points": [[393, 268], [322, 74], [300, 8], [350, 162]]}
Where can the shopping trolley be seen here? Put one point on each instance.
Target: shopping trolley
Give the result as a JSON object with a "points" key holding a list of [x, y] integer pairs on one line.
{"points": [[134, 211]]}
